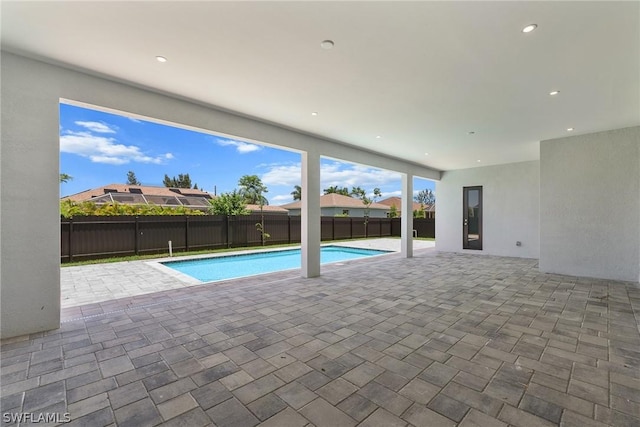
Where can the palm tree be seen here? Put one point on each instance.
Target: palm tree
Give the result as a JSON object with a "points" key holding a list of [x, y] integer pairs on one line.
{"points": [[65, 177], [252, 189], [359, 193], [337, 190], [297, 192]]}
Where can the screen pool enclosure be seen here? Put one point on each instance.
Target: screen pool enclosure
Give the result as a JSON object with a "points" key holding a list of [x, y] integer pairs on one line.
{"points": [[234, 266]]}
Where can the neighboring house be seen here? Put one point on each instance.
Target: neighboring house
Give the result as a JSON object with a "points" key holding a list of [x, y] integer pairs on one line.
{"points": [[338, 205], [161, 196], [144, 195], [430, 210], [268, 209]]}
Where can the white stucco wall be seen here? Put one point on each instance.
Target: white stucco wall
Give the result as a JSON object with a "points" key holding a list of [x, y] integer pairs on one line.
{"points": [[590, 205], [511, 202], [29, 167]]}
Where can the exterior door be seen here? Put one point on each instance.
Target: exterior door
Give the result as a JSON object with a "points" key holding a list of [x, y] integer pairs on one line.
{"points": [[472, 218]]}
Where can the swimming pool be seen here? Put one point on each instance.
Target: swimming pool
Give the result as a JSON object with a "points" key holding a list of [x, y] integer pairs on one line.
{"points": [[233, 266]]}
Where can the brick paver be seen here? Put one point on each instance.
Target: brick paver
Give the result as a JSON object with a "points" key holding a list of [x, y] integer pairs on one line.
{"points": [[439, 339]]}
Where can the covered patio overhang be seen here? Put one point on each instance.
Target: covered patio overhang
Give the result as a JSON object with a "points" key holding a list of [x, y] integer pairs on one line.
{"points": [[31, 94]]}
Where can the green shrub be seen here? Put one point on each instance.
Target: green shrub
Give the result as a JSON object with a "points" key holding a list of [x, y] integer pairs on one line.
{"points": [[70, 209]]}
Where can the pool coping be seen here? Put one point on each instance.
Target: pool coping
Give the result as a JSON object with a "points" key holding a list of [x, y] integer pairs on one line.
{"points": [[185, 278]]}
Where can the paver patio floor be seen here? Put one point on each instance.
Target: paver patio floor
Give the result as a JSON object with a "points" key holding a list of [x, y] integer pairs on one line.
{"points": [[88, 284], [435, 340]]}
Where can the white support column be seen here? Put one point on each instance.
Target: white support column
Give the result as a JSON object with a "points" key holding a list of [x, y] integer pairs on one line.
{"points": [[310, 214], [30, 243], [406, 221]]}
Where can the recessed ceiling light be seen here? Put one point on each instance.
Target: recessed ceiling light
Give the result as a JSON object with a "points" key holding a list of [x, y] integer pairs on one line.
{"points": [[161, 59], [554, 92], [315, 113], [327, 44], [378, 137], [569, 129], [426, 154], [529, 28], [478, 161]]}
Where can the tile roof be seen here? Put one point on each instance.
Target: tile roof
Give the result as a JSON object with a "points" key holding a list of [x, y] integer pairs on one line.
{"points": [[334, 200], [397, 202], [151, 192], [267, 209], [147, 190]]}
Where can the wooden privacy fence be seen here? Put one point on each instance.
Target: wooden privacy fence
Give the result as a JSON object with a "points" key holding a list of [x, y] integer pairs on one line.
{"points": [[93, 237]]}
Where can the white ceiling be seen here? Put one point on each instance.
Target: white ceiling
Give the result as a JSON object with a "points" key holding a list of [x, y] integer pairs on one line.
{"points": [[419, 74]]}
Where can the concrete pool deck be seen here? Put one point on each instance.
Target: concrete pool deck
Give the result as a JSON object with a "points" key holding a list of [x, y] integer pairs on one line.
{"points": [[98, 283], [440, 339]]}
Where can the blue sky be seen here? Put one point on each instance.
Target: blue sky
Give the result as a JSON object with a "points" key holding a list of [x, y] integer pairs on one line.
{"points": [[98, 148]]}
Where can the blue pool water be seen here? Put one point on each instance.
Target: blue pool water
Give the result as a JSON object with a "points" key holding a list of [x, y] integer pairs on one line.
{"points": [[232, 266]]}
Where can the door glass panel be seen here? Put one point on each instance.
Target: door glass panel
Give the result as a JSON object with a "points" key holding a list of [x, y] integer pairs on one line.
{"points": [[472, 218]]}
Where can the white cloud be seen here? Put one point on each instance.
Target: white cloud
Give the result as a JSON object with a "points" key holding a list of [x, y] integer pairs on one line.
{"points": [[335, 173], [97, 127], [241, 147], [288, 175], [109, 160], [386, 194], [281, 199], [102, 149], [349, 175]]}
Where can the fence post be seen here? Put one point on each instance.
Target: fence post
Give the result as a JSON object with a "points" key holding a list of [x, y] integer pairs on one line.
{"points": [[333, 228], [186, 232], [228, 220], [288, 229], [136, 240], [70, 239]]}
